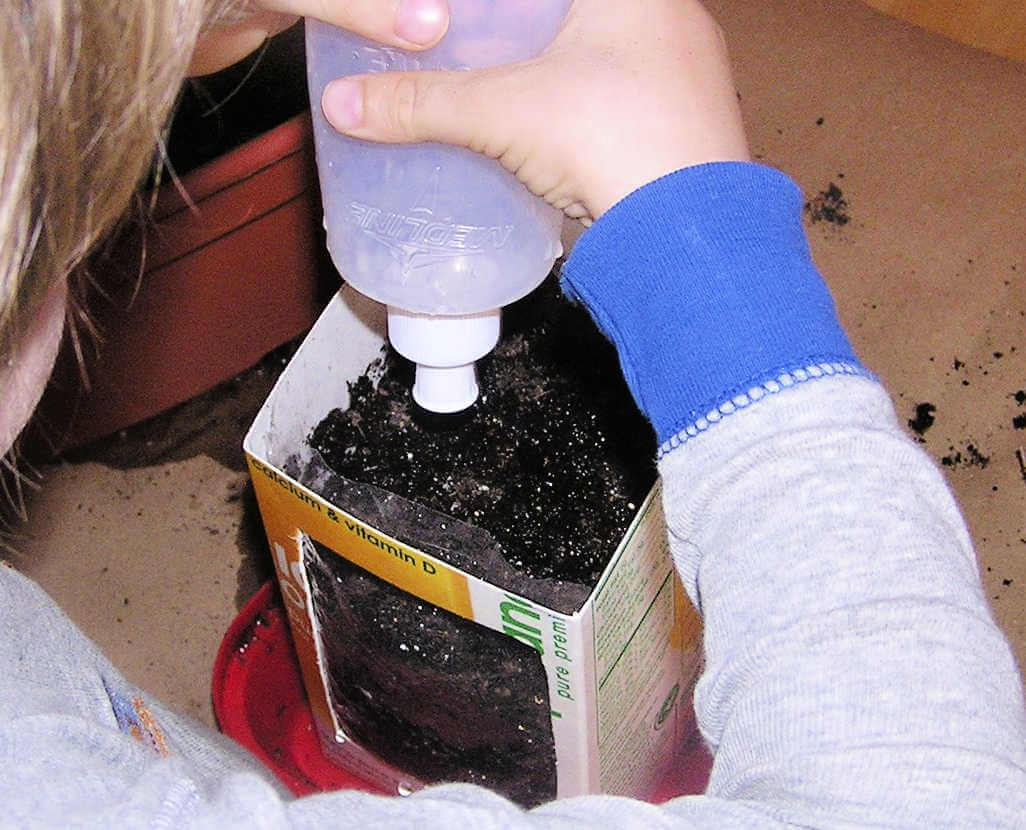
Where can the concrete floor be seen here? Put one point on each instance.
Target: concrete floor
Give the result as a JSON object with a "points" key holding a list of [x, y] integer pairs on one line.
{"points": [[151, 539]]}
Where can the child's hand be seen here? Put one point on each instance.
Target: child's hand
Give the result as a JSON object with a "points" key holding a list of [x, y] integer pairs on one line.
{"points": [[627, 92], [408, 24]]}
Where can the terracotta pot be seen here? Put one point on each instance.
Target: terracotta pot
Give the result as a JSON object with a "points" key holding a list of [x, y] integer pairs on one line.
{"points": [[224, 280]]}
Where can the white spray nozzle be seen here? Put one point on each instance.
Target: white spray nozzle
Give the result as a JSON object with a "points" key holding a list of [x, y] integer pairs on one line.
{"points": [[444, 347]]}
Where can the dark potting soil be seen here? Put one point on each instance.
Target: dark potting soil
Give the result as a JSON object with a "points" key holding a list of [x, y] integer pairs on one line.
{"points": [[924, 419], [437, 696], [543, 474], [553, 460]]}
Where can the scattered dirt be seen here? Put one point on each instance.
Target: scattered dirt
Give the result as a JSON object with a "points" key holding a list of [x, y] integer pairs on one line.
{"points": [[970, 456], [828, 206], [967, 452]]}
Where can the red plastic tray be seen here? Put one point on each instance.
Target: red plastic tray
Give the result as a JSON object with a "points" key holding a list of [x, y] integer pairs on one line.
{"points": [[260, 702]]}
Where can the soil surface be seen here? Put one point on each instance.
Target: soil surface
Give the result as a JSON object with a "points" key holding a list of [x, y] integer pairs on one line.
{"points": [[553, 460]]}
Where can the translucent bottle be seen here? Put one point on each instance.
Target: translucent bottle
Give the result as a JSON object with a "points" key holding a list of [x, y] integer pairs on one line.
{"points": [[443, 236]]}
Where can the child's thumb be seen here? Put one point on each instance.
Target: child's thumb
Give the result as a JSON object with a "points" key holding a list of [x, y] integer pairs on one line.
{"points": [[408, 106]]}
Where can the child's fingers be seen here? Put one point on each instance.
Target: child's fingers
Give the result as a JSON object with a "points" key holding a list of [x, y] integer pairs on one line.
{"points": [[410, 24]]}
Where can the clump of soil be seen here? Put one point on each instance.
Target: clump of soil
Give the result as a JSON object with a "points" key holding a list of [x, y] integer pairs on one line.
{"points": [[924, 418], [829, 206], [544, 475], [971, 458]]}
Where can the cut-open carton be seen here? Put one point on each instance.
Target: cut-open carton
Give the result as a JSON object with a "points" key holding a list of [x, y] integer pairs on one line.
{"points": [[619, 671]]}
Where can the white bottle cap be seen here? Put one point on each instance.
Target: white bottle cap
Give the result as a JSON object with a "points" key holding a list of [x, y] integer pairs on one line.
{"points": [[444, 347]]}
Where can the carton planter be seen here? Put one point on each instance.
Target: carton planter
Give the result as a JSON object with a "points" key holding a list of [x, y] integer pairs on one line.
{"points": [[419, 666]]}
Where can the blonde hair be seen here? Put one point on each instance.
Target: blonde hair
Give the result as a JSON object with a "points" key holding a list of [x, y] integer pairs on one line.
{"points": [[86, 90]]}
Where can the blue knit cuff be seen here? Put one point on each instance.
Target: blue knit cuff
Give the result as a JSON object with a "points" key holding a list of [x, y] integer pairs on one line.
{"points": [[704, 282]]}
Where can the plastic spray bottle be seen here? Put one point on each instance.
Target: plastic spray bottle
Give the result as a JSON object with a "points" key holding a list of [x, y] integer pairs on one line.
{"points": [[441, 235]]}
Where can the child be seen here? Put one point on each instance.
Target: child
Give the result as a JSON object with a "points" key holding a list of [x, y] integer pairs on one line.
{"points": [[854, 675]]}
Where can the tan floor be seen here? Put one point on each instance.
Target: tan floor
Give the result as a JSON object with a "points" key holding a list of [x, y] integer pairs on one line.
{"points": [[151, 541]]}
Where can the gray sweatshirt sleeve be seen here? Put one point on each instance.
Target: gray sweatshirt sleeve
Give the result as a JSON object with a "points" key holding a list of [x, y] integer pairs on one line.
{"points": [[854, 674]]}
